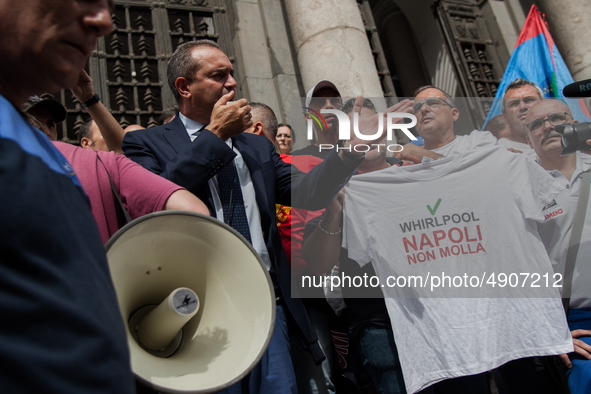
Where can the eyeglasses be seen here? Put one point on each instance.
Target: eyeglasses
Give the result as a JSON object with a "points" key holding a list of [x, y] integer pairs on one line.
{"points": [[554, 119], [433, 103]]}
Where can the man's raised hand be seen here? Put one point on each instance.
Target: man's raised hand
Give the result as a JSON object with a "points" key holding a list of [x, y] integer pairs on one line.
{"points": [[83, 89], [230, 118]]}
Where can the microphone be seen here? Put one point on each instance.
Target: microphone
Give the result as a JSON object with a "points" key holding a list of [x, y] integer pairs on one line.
{"points": [[578, 89]]}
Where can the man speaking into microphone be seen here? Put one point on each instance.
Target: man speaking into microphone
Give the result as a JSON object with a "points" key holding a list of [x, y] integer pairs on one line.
{"points": [[241, 177]]}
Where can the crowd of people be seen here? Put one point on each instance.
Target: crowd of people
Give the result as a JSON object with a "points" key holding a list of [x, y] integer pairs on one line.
{"points": [[308, 213]]}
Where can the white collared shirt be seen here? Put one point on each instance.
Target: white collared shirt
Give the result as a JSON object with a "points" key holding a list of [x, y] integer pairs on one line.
{"points": [[556, 231], [248, 194]]}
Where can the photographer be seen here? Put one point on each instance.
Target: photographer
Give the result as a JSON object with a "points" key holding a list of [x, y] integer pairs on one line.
{"points": [[556, 231]]}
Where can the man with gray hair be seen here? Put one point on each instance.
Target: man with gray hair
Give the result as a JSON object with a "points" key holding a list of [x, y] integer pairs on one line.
{"points": [[518, 98], [63, 331], [436, 115], [558, 228]]}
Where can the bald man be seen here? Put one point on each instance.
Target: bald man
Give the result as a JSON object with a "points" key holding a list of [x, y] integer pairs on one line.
{"points": [[556, 230]]}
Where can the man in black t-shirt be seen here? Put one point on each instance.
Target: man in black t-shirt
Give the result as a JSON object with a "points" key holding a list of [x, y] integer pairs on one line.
{"points": [[324, 95]]}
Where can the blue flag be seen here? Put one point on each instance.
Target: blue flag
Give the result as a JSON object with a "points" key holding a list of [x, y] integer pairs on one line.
{"points": [[536, 59]]}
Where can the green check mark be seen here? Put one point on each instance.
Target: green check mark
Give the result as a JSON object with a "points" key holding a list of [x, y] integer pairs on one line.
{"points": [[433, 210]]}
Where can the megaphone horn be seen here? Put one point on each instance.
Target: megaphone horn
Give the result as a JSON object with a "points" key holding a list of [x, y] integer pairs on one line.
{"points": [[197, 301], [158, 329]]}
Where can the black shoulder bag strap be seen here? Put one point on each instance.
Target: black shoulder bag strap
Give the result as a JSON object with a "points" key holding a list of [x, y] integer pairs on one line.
{"points": [[575, 238], [125, 213]]}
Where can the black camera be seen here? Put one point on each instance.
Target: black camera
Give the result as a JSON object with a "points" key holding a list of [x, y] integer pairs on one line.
{"points": [[574, 137]]}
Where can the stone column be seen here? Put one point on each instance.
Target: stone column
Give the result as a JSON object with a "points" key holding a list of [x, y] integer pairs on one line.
{"points": [[569, 25], [331, 43], [253, 57]]}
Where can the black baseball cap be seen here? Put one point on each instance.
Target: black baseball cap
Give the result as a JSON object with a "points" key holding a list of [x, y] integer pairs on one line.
{"points": [[47, 101]]}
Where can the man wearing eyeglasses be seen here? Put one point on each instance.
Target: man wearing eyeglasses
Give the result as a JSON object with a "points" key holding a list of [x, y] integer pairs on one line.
{"points": [[556, 230], [436, 115], [518, 98]]}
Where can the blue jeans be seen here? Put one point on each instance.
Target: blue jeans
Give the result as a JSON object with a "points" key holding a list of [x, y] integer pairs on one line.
{"points": [[380, 358], [579, 376], [274, 373]]}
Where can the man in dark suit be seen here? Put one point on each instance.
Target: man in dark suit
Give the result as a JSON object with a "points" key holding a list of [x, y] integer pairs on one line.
{"points": [[204, 150]]}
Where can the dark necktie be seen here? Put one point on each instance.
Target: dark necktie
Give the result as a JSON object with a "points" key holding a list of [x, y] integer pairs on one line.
{"points": [[232, 201]]}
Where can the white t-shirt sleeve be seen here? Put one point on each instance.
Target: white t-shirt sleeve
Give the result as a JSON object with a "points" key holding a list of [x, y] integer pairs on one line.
{"points": [[533, 187], [480, 139]]}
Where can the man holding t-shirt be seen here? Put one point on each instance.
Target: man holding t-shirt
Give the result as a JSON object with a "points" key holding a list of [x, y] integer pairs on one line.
{"points": [[436, 115], [370, 326]]}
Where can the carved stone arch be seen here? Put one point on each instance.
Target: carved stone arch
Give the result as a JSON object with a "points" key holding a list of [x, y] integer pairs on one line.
{"points": [[401, 50]]}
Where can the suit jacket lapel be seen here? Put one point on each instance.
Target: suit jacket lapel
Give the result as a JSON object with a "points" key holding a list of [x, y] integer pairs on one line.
{"points": [[176, 135]]}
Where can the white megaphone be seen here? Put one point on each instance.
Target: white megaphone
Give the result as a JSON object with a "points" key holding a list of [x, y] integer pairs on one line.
{"points": [[197, 301]]}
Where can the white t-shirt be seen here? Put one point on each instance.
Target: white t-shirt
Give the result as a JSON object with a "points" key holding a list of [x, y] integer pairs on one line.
{"points": [[472, 213], [525, 148], [463, 143], [556, 229]]}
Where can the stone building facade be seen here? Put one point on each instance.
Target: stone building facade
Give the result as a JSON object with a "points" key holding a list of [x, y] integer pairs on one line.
{"points": [[281, 48]]}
